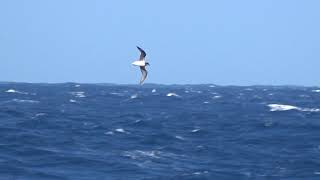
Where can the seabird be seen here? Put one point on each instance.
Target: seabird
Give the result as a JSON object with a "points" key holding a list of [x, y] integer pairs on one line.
{"points": [[142, 64]]}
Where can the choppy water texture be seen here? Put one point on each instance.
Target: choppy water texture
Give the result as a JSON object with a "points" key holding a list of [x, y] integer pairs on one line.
{"points": [[103, 131]]}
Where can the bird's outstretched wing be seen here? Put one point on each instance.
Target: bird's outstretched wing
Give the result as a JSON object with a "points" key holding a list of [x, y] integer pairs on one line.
{"points": [[143, 54], [144, 74]]}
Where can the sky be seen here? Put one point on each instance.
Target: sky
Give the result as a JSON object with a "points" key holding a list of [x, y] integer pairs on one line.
{"points": [[229, 42]]}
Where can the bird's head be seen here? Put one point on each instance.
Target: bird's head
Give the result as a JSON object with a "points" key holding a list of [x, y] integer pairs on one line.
{"points": [[147, 64]]}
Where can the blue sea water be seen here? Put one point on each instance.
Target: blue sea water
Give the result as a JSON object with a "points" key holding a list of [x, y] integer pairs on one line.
{"points": [[114, 132]]}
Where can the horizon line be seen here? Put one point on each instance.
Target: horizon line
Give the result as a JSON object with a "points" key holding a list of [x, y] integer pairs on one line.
{"points": [[150, 84]]}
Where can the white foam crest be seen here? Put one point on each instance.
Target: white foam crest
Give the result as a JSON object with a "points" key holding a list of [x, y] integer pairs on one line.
{"points": [[40, 114], [77, 85], [152, 154], [172, 94], [310, 109], [116, 94], [154, 90], [195, 130], [15, 91], [120, 130], [200, 173], [11, 91], [78, 94], [180, 137], [24, 101], [282, 107], [134, 96], [138, 154], [109, 133], [216, 97], [316, 90], [72, 101], [205, 102]]}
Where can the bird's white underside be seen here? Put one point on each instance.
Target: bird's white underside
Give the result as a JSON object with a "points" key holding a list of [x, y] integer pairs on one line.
{"points": [[139, 63]]}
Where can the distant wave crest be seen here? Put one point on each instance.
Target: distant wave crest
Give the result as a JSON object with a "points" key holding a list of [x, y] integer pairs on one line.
{"points": [[282, 107]]}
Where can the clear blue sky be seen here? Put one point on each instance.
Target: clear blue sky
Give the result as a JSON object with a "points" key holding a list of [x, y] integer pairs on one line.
{"points": [[224, 42]]}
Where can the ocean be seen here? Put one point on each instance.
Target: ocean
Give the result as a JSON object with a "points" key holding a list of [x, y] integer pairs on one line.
{"points": [[73, 131]]}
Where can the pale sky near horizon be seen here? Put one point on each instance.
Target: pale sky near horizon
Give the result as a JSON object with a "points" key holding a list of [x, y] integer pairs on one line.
{"points": [[230, 42]]}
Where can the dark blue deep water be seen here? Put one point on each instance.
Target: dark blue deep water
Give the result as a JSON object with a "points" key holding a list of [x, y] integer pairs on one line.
{"points": [[127, 132]]}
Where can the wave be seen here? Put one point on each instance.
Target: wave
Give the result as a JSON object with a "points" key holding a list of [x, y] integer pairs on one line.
{"points": [[24, 101], [78, 94], [138, 154], [283, 107], [15, 91], [134, 96], [173, 94], [72, 101]]}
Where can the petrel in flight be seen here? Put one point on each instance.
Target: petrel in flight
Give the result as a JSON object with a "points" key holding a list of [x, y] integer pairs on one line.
{"points": [[142, 63]]}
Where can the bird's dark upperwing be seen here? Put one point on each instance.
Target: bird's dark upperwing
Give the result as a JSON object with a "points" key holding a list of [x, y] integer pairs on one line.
{"points": [[144, 73], [143, 54]]}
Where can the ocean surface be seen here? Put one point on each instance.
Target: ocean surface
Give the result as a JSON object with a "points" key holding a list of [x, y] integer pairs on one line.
{"points": [[179, 132]]}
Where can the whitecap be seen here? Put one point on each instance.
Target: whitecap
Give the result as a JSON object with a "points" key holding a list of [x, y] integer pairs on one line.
{"points": [[212, 86], [11, 91], [205, 102], [15, 91], [310, 109], [72, 101], [120, 130], [195, 130], [282, 107], [152, 154], [154, 90], [172, 94], [109, 133], [40, 114], [216, 97], [199, 173], [180, 137], [138, 154], [137, 121], [316, 90], [134, 96], [25, 101], [117, 94], [77, 85], [78, 94]]}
